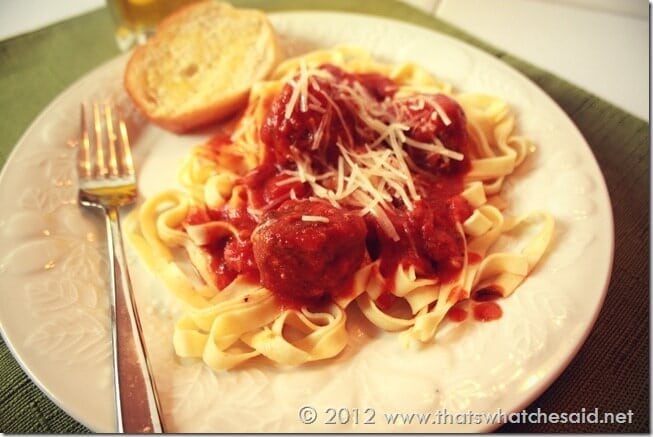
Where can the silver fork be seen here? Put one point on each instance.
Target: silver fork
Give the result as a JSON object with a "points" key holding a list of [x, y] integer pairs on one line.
{"points": [[107, 181]]}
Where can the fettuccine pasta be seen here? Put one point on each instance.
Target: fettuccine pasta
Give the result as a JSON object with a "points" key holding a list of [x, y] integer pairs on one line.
{"points": [[345, 182]]}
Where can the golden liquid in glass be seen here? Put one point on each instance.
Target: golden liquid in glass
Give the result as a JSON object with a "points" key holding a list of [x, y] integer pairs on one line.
{"points": [[136, 20]]}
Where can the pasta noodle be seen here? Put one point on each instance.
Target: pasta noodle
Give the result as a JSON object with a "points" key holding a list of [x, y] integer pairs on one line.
{"points": [[393, 195]]}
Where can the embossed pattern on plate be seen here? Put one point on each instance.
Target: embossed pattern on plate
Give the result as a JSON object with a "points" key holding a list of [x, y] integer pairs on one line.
{"points": [[52, 267]]}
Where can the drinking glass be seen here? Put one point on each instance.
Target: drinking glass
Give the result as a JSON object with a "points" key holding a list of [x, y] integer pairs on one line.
{"points": [[136, 20]]}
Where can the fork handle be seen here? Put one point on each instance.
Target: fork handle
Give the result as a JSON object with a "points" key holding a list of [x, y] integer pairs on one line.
{"points": [[137, 405]]}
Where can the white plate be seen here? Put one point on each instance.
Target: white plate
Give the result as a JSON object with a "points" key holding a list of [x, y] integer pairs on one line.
{"points": [[54, 302]]}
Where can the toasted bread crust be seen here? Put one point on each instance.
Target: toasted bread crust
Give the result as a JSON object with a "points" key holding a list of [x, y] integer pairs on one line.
{"points": [[181, 93]]}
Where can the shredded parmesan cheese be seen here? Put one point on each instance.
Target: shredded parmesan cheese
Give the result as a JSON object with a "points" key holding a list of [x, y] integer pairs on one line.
{"points": [[441, 113], [371, 180], [315, 218]]}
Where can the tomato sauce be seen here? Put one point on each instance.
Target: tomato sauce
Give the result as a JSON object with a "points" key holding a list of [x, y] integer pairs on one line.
{"points": [[457, 314], [489, 293], [473, 258], [385, 301], [308, 261], [487, 311], [229, 256], [218, 141], [288, 137], [268, 187], [429, 239]]}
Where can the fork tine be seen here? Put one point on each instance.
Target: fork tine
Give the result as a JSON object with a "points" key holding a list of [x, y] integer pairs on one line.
{"points": [[113, 162], [127, 160], [84, 157], [99, 144]]}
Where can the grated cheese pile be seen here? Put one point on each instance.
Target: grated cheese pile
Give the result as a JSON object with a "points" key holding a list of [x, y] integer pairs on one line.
{"points": [[381, 172]]}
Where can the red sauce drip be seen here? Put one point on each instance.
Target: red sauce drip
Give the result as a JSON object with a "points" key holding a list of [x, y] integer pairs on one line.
{"points": [[473, 258], [487, 311], [457, 294], [491, 292], [457, 314], [385, 301], [219, 140]]}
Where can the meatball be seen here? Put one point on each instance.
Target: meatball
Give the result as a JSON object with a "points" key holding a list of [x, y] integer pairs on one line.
{"points": [[306, 249], [417, 112]]}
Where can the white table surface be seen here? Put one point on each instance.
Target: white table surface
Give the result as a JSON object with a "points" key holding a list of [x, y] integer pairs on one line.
{"points": [[599, 45]]}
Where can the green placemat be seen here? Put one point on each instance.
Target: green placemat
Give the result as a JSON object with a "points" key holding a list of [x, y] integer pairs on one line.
{"points": [[611, 371]]}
